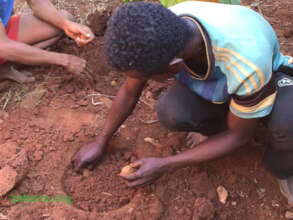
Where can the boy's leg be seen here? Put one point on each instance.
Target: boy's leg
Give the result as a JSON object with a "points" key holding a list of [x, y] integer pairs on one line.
{"points": [[33, 31], [279, 155], [180, 109]]}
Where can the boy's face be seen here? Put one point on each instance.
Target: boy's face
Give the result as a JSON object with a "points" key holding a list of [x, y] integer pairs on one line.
{"points": [[173, 68]]}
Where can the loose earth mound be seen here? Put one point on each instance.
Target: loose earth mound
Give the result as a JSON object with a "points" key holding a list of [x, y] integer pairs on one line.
{"points": [[101, 190]]}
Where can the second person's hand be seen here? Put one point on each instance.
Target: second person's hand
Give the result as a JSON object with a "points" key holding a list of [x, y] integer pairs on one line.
{"points": [[81, 34], [75, 65]]}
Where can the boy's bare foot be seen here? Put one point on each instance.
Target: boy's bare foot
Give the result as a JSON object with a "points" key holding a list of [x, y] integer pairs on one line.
{"points": [[194, 138], [8, 72]]}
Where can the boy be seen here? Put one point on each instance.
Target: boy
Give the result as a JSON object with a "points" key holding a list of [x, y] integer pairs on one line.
{"points": [[230, 75], [22, 38]]}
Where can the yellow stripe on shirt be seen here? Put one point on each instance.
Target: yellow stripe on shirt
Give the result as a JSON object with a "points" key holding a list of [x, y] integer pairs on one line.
{"points": [[268, 101], [244, 60], [248, 90], [241, 69]]}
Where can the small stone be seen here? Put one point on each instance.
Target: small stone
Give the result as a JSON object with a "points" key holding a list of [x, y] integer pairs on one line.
{"points": [[262, 190], [113, 83], [289, 215], [233, 203], [86, 172], [222, 194]]}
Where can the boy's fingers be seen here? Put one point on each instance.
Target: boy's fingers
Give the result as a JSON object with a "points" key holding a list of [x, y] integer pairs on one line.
{"points": [[136, 164], [140, 182], [77, 164], [133, 176], [92, 165], [137, 174], [79, 41]]}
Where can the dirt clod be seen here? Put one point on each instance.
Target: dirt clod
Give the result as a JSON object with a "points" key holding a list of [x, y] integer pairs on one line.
{"points": [[13, 172]]}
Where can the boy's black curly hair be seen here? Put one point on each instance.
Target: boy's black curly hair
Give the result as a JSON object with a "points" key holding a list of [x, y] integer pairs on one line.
{"points": [[144, 37]]}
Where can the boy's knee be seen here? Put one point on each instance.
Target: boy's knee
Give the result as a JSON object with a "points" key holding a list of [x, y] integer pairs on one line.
{"points": [[67, 15], [281, 139], [168, 114], [168, 119]]}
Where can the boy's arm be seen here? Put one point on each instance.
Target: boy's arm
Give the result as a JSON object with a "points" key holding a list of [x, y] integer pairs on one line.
{"points": [[238, 133], [121, 108], [26, 54], [46, 11]]}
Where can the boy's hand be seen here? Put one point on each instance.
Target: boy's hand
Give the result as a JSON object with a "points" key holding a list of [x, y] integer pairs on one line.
{"points": [[81, 34], [149, 170], [75, 64], [87, 156]]}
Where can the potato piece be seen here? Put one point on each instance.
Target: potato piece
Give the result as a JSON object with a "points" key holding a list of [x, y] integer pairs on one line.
{"points": [[128, 169], [84, 37]]}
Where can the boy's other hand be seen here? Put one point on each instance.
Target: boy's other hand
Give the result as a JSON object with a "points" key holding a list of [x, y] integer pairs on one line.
{"points": [[75, 64], [81, 34], [87, 156]]}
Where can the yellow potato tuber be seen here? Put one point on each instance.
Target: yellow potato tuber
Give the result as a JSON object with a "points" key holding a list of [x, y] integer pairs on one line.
{"points": [[131, 168]]}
